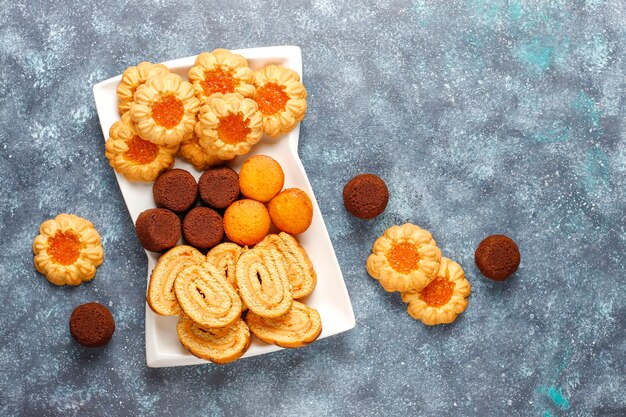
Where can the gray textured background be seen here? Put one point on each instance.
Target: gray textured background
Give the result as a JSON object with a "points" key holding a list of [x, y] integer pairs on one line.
{"points": [[483, 117]]}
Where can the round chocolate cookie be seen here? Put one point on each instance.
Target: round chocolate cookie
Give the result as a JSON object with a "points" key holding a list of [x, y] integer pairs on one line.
{"points": [[497, 257], [365, 196], [92, 325], [175, 190], [219, 187], [158, 229], [203, 228]]}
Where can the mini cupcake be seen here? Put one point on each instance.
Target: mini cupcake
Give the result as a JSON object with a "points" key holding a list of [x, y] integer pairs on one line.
{"points": [[281, 98], [136, 158], [164, 110], [132, 78], [222, 72], [229, 125]]}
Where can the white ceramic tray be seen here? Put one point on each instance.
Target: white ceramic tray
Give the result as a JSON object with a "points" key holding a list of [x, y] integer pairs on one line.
{"points": [[330, 297]]}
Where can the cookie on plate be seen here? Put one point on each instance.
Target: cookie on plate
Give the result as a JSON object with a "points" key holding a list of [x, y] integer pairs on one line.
{"points": [[205, 298], [302, 276], [161, 296], [175, 190], [263, 283], [300, 326], [67, 250], [221, 345], [219, 187], [132, 78], [158, 229], [197, 156]]}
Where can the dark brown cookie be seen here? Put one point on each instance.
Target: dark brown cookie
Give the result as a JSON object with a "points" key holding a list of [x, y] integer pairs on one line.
{"points": [[219, 187], [158, 229], [175, 190], [497, 257], [92, 325], [365, 196], [203, 228]]}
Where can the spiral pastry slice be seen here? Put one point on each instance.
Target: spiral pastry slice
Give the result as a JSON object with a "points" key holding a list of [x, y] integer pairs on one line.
{"points": [[263, 283], [224, 258], [222, 345], [300, 270], [205, 298], [161, 296], [299, 327]]}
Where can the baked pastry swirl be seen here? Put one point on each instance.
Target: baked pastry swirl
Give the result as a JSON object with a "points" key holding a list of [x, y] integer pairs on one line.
{"points": [[224, 258], [132, 78], [405, 257], [221, 345], [136, 158], [300, 326], [263, 283], [442, 300], [221, 71], [200, 158], [164, 109], [161, 296], [281, 98], [67, 250], [205, 298], [300, 270], [229, 125]]}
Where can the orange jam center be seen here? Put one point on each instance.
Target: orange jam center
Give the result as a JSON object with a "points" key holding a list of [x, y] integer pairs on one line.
{"points": [[232, 129], [168, 111], [64, 248], [218, 81], [271, 98], [403, 257], [438, 292], [141, 151]]}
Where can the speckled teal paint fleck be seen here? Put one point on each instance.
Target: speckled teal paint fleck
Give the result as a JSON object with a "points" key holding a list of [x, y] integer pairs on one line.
{"points": [[556, 396], [556, 135], [536, 55], [515, 10], [585, 106], [597, 169], [548, 414], [486, 10]]}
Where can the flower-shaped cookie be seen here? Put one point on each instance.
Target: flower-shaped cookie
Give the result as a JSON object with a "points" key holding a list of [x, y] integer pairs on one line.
{"points": [[281, 98], [132, 78], [229, 125], [405, 257], [223, 72], [199, 157], [164, 109], [136, 158], [442, 300], [68, 250]]}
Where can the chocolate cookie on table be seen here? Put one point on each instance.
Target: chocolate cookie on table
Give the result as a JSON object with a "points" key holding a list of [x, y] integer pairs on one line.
{"points": [[92, 325], [203, 228], [175, 190], [158, 229], [365, 196], [497, 257]]}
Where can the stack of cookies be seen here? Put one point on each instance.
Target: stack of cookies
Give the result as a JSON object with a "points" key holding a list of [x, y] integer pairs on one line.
{"points": [[406, 259], [233, 291], [221, 112]]}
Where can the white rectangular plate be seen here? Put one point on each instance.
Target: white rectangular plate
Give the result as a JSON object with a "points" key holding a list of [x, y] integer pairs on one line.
{"points": [[330, 297]]}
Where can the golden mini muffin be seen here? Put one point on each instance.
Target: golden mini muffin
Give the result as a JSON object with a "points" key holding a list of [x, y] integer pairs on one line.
{"points": [[246, 222], [136, 158], [281, 98], [164, 109], [223, 72], [229, 125], [67, 250], [196, 155], [261, 178], [291, 211], [132, 78]]}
